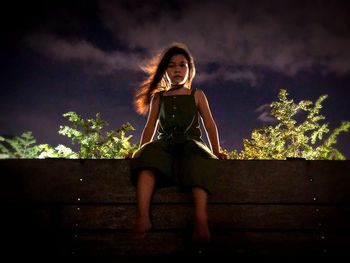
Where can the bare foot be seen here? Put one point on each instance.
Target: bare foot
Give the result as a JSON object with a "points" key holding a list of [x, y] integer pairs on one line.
{"points": [[201, 233], [141, 227]]}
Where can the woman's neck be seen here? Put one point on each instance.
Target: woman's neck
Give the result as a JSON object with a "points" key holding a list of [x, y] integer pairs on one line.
{"points": [[176, 87], [178, 90]]}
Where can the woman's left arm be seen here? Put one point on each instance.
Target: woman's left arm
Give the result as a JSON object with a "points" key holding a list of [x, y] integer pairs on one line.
{"points": [[209, 123]]}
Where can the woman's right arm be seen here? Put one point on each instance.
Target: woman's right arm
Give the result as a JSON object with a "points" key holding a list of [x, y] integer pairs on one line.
{"points": [[152, 120]]}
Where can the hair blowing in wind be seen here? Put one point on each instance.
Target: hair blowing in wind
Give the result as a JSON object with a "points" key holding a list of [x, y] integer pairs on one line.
{"points": [[156, 81]]}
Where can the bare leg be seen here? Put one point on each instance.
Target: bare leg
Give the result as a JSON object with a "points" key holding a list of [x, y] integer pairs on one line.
{"points": [[201, 229], [144, 191]]}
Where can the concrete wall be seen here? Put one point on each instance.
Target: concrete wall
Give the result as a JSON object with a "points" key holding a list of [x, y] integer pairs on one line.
{"points": [[79, 209]]}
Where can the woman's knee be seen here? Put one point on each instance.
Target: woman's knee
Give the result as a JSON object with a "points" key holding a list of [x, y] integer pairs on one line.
{"points": [[147, 173], [146, 177]]}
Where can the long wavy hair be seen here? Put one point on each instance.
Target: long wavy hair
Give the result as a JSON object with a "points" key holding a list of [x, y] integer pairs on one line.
{"points": [[156, 80]]}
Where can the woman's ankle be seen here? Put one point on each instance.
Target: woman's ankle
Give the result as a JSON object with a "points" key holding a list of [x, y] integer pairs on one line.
{"points": [[201, 231]]}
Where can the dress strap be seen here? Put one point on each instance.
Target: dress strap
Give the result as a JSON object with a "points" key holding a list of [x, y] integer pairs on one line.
{"points": [[193, 91], [161, 95]]}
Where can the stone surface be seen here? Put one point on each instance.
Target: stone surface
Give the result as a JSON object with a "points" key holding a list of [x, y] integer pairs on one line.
{"points": [[57, 208]]}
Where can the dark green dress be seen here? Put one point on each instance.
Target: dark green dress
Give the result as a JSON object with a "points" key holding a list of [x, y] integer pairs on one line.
{"points": [[178, 156]]}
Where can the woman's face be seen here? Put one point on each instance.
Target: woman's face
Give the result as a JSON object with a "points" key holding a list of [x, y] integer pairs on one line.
{"points": [[177, 70]]}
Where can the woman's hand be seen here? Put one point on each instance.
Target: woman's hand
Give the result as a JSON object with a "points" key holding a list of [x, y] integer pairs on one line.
{"points": [[221, 155], [130, 155]]}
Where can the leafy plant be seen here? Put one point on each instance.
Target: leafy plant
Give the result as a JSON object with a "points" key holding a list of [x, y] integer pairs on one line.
{"points": [[93, 142], [60, 151], [290, 138], [87, 133], [19, 146]]}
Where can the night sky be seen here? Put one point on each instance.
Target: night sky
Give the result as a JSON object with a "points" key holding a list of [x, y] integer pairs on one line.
{"points": [[85, 56]]}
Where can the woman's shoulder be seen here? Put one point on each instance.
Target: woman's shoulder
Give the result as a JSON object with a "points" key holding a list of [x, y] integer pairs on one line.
{"points": [[198, 93], [155, 98], [157, 95]]}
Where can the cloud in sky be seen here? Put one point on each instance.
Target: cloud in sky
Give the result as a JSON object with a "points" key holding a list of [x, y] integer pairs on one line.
{"points": [[286, 37], [264, 114], [82, 51], [228, 75], [239, 37]]}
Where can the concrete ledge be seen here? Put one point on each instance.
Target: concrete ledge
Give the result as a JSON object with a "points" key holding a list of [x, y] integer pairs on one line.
{"points": [[57, 208]]}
